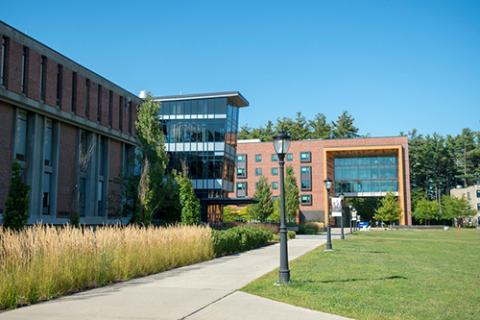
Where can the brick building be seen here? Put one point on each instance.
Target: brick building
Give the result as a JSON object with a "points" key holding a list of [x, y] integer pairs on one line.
{"points": [[71, 130], [362, 167]]}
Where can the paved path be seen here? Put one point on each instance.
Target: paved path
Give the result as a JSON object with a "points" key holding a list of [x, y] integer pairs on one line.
{"points": [[205, 290]]}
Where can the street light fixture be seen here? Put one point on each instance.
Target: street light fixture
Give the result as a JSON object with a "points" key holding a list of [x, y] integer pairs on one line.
{"points": [[281, 143], [328, 186], [342, 235]]}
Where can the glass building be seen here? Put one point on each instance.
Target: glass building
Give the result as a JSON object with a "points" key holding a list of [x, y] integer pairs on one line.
{"points": [[201, 138], [366, 174]]}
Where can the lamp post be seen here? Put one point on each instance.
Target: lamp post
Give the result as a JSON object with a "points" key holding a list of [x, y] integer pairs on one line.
{"points": [[328, 186], [281, 143], [342, 235]]}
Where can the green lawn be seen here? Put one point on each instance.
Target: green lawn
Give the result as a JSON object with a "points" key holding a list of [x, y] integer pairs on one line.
{"points": [[387, 275]]}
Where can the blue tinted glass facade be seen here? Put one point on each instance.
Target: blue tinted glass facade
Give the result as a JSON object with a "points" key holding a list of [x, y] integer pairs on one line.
{"points": [[201, 135], [366, 174]]}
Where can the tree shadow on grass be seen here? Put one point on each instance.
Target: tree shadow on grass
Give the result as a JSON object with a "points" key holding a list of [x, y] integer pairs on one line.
{"points": [[357, 279]]}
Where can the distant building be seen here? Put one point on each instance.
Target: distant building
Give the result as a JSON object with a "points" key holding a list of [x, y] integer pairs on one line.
{"points": [[361, 167], [201, 137], [70, 129], [472, 194]]}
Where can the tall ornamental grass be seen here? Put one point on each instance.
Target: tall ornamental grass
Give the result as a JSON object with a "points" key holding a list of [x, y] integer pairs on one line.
{"points": [[42, 262]]}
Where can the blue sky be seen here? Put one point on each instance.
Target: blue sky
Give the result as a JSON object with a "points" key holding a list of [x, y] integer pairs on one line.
{"points": [[394, 65]]}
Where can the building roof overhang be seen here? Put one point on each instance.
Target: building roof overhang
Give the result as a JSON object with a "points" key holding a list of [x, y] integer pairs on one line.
{"points": [[234, 97]]}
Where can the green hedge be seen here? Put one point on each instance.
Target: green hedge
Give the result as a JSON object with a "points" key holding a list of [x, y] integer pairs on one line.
{"points": [[239, 239]]}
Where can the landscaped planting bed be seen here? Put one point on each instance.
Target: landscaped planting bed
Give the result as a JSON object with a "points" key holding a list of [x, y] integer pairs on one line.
{"points": [[43, 262]]}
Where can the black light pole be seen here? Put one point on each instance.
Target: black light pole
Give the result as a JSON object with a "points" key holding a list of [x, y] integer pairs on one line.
{"points": [[328, 246], [342, 235], [281, 142]]}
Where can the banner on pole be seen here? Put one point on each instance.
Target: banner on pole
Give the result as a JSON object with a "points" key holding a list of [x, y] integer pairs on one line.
{"points": [[336, 207]]}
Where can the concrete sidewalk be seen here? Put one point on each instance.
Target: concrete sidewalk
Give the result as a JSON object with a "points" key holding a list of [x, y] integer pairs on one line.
{"points": [[201, 291]]}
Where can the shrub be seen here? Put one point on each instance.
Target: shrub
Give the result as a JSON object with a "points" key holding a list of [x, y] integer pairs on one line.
{"points": [[239, 239], [16, 206], [43, 262], [310, 228], [290, 235]]}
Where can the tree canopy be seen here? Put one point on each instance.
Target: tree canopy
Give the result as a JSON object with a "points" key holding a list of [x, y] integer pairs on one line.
{"points": [[264, 207]]}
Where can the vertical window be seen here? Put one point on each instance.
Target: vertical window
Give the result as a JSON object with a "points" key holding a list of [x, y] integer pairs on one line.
{"points": [[74, 92], [241, 157], [241, 189], [289, 157], [274, 185], [46, 187], [305, 157], [274, 171], [87, 102], [120, 106], [48, 166], [59, 85], [306, 199], [99, 103], [274, 157], [102, 169], [258, 171], [21, 136], [82, 195], [43, 78], [241, 173], [24, 80], [4, 61], [48, 143], [258, 158], [478, 193], [306, 178], [110, 108]]}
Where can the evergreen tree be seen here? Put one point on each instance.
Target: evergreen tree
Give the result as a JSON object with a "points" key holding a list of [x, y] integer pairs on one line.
{"points": [[344, 127], [292, 195], [154, 160], [16, 206], [321, 129], [264, 207], [389, 209], [169, 209], [188, 200]]}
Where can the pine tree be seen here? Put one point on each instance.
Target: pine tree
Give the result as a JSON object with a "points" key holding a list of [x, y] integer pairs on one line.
{"points": [[292, 195], [389, 209], [16, 206], [264, 207], [344, 127], [321, 129], [188, 200]]}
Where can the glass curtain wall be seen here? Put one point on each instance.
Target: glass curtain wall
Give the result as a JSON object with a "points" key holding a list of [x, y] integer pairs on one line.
{"points": [[366, 174], [200, 136]]}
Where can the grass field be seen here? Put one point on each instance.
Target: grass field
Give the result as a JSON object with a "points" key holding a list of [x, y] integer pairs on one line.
{"points": [[387, 275]]}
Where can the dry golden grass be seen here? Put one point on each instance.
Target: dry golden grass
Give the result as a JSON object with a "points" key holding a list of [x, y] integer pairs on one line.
{"points": [[43, 262]]}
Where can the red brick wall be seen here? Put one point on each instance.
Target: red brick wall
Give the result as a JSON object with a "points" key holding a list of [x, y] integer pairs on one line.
{"points": [[104, 116], [81, 95], [67, 90], [115, 113], [51, 84], [67, 167], [34, 76], [316, 147], [14, 66], [7, 116], [93, 101]]}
